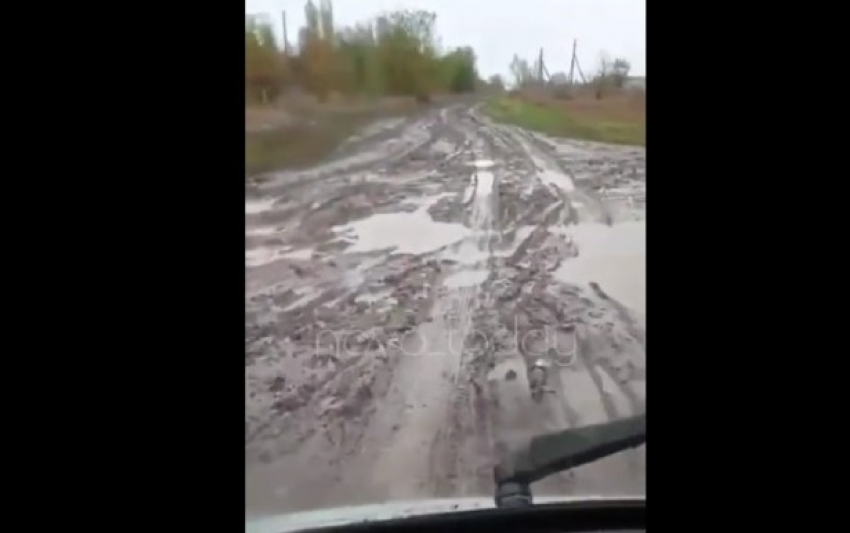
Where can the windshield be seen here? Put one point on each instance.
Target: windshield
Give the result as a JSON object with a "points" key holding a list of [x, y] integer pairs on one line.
{"points": [[445, 245]]}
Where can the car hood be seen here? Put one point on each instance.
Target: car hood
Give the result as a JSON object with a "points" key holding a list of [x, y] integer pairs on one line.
{"points": [[385, 511]]}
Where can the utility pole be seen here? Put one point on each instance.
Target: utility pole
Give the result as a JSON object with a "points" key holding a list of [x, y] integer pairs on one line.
{"points": [[580, 73], [573, 63], [540, 67]]}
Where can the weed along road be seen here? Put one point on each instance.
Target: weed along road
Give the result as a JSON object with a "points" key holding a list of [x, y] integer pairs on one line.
{"points": [[398, 294]]}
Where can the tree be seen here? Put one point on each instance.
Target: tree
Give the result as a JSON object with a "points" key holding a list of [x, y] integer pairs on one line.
{"points": [[397, 53], [406, 53], [360, 69], [610, 74], [458, 70], [316, 51], [603, 79], [521, 71], [620, 72], [265, 67]]}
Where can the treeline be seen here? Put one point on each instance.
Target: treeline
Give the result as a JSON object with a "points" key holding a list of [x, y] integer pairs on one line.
{"points": [[394, 54]]}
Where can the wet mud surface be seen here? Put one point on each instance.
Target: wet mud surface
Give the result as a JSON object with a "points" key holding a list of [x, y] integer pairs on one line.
{"points": [[397, 296]]}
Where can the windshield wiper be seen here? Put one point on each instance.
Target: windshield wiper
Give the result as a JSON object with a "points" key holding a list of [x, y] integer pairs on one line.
{"points": [[548, 454]]}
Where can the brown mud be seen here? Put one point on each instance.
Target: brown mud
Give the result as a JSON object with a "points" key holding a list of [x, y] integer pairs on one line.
{"points": [[396, 297]]}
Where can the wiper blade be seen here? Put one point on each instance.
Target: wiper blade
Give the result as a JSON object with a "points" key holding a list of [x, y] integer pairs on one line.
{"points": [[548, 454]]}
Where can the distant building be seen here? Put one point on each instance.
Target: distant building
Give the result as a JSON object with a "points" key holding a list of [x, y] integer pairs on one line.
{"points": [[559, 78], [635, 82]]}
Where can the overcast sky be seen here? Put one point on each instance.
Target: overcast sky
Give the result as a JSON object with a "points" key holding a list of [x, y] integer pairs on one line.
{"points": [[497, 29]]}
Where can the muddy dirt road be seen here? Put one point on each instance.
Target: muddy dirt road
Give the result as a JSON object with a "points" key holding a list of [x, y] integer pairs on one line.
{"points": [[397, 295]]}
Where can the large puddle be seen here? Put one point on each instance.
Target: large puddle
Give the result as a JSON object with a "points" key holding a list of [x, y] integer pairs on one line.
{"points": [[466, 278], [557, 178], [261, 256], [260, 231], [407, 233], [612, 256], [252, 207]]}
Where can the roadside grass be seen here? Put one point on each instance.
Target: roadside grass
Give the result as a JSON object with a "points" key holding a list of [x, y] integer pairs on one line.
{"points": [[296, 145], [299, 132], [616, 118]]}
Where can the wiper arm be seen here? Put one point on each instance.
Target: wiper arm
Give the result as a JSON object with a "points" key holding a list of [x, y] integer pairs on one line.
{"points": [[548, 454]]}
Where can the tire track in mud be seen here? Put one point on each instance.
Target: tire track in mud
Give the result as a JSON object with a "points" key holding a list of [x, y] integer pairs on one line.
{"points": [[436, 422], [618, 400], [474, 396], [460, 454], [382, 456], [465, 450], [517, 157], [583, 388], [431, 389], [624, 315], [614, 399], [448, 474], [583, 206], [426, 377], [474, 419]]}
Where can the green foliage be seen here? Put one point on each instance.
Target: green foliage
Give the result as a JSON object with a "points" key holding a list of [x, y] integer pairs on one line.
{"points": [[395, 54], [554, 118], [265, 67], [460, 74]]}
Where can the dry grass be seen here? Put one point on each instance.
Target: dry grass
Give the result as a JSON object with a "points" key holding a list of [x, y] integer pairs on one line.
{"points": [[618, 117], [299, 131]]}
